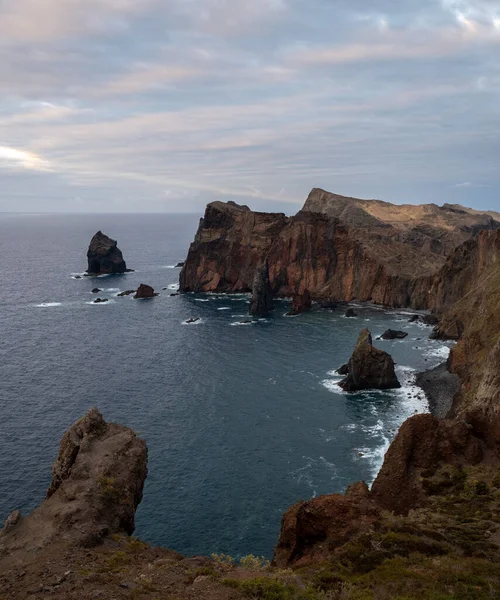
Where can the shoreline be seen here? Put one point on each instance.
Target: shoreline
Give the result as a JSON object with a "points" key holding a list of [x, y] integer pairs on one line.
{"points": [[440, 387]]}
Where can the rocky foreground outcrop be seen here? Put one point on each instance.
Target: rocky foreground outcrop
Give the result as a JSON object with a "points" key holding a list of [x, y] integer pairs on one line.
{"points": [[104, 257], [335, 247], [97, 484], [369, 368]]}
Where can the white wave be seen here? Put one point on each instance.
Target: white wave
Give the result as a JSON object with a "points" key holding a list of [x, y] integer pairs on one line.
{"points": [[201, 300], [173, 286], [49, 304], [238, 316], [94, 303], [237, 323], [224, 308], [112, 290], [332, 386], [442, 352], [170, 267]]}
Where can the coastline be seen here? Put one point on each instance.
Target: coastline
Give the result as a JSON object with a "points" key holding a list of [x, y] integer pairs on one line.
{"points": [[440, 387]]}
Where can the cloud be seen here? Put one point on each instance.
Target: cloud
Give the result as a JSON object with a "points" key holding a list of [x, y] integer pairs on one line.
{"points": [[14, 158]]}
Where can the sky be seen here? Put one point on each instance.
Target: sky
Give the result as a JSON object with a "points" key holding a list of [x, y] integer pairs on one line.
{"points": [[166, 105]]}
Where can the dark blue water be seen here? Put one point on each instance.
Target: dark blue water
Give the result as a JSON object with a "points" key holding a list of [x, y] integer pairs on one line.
{"points": [[241, 421]]}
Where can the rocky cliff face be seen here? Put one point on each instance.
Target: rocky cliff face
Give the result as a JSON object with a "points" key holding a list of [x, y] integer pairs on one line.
{"points": [[104, 257], [335, 247], [97, 484]]}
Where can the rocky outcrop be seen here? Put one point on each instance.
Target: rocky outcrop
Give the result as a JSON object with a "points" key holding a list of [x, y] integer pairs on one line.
{"points": [[335, 247], [97, 484], [301, 303], [369, 367], [423, 445], [104, 257], [145, 291], [392, 334], [312, 530], [261, 304]]}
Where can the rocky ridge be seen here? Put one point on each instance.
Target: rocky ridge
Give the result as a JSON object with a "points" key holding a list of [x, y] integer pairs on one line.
{"points": [[335, 247]]}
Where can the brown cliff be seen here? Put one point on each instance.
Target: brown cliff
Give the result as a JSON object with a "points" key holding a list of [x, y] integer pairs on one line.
{"points": [[335, 247]]}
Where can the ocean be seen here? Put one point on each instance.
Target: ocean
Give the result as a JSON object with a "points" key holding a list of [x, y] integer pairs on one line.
{"points": [[241, 420]]}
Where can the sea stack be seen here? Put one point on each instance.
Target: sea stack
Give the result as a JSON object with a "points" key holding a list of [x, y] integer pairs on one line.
{"points": [[301, 303], [145, 291], [369, 368], [262, 294], [104, 257]]}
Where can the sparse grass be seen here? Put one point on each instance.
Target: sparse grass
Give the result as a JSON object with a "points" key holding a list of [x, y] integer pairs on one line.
{"points": [[254, 563]]}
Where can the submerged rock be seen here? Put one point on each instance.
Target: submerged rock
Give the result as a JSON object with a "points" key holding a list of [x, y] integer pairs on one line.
{"points": [[414, 319], [194, 320], [145, 291], [351, 313], [301, 303], [262, 294], [392, 334], [96, 290], [104, 257], [328, 304], [179, 265], [369, 367], [100, 300], [126, 293]]}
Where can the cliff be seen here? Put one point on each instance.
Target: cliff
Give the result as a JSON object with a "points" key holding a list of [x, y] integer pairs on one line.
{"points": [[335, 247]]}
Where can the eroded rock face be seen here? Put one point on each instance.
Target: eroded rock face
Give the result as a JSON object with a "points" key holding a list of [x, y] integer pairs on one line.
{"points": [[262, 303], [301, 303], [423, 444], [369, 367], [104, 257], [144, 291], [335, 247], [97, 484], [311, 530]]}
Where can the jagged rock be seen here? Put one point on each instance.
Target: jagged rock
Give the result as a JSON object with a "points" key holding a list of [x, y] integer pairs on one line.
{"points": [[351, 313], [311, 530], [336, 247], [369, 367], [344, 369], [179, 265], [392, 334], [145, 291], [104, 257], [101, 300], [12, 520], [96, 290], [126, 293], [430, 320], [262, 304], [194, 320], [301, 303], [97, 483], [174, 295]]}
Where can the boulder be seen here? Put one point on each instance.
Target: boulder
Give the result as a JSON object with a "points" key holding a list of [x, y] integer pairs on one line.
{"points": [[351, 313], [392, 334], [414, 319], [144, 291], [96, 290], [301, 303], [100, 300], [262, 304], [126, 293], [104, 257], [328, 304], [430, 320], [369, 367]]}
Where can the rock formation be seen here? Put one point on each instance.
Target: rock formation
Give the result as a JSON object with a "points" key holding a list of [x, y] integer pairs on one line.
{"points": [[97, 484], [369, 367], [104, 257], [392, 334], [261, 304], [301, 303], [335, 247], [144, 291], [351, 313]]}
